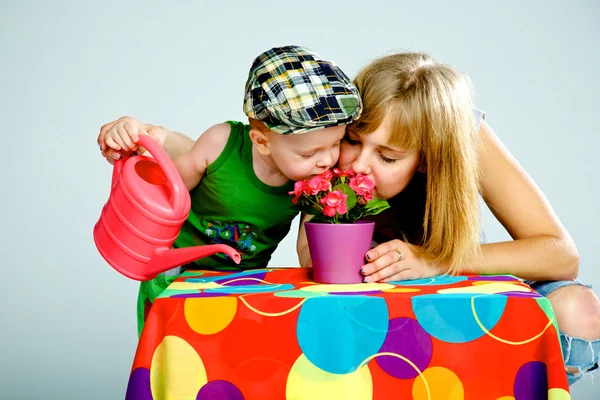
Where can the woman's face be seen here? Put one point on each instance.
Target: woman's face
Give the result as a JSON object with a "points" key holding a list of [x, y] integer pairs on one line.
{"points": [[390, 168]]}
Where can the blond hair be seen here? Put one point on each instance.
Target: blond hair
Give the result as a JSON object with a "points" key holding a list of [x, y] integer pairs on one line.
{"points": [[430, 109]]}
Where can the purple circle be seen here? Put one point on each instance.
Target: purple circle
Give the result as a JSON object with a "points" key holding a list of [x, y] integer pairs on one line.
{"points": [[407, 338], [356, 293], [249, 279], [240, 282], [200, 294], [521, 294], [219, 390], [138, 387], [531, 382], [501, 278]]}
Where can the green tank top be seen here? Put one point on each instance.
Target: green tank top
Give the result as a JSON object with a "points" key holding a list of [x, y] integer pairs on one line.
{"points": [[232, 206]]}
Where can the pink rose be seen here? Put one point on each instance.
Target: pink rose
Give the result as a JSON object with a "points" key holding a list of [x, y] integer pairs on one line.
{"points": [[298, 190], [363, 186], [315, 185], [339, 173], [326, 175], [335, 202]]}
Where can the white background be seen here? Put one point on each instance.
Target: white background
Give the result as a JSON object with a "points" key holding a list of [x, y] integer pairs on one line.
{"points": [[67, 67]]}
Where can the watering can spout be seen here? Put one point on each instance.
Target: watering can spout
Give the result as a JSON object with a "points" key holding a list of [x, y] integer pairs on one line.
{"points": [[165, 259]]}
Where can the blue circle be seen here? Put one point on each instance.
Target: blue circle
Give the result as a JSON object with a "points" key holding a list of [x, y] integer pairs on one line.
{"points": [[436, 280], [450, 317], [337, 333]]}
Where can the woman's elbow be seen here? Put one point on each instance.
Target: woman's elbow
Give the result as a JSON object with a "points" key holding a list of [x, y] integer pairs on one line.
{"points": [[570, 265]]}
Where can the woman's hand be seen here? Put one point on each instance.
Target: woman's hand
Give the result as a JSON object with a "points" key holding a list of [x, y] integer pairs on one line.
{"points": [[396, 261]]}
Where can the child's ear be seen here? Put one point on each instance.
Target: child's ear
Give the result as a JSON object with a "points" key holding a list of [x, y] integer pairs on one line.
{"points": [[260, 141]]}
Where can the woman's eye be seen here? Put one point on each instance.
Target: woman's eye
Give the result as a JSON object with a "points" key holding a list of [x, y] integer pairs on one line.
{"points": [[386, 159]]}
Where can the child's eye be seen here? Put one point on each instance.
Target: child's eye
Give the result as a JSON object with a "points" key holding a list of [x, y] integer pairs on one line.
{"points": [[307, 155], [350, 141]]}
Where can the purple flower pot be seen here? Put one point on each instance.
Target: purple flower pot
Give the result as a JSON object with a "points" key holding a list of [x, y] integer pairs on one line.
{"points": [[338, 250]]}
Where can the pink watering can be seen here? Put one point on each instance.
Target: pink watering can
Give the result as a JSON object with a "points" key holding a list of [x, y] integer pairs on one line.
{"points": [[148, 204]]}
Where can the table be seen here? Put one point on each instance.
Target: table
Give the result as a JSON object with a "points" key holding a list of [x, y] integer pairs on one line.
{"points": [[273, 334]]}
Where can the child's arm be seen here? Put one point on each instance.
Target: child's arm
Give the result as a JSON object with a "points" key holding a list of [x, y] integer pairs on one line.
{"points": [[302, 243], [192, 164], [122, 136]]}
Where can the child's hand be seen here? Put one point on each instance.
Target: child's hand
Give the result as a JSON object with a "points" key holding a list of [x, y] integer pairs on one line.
{"points": [[122, 135]]}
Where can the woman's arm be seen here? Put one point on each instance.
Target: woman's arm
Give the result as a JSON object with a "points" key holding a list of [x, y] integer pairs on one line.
{"points": [[542, 248]]}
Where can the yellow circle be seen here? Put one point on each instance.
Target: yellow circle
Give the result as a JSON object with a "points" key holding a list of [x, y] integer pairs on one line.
{"points": [[308, 382], [558, 394], [487, 288], [402, 290], [351, 287], [193, 285], [209, 315], [506, 398], [475, 283], [438, 383], [177, 371]]}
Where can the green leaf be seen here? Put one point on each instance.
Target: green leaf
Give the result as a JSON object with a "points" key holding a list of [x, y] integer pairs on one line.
{"points": [[375, 206], [308, 208], [350, 195], [355, 214], [318, 218]]}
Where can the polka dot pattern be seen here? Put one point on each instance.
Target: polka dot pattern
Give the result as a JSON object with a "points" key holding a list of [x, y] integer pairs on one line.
{"points": [[275, 334]]}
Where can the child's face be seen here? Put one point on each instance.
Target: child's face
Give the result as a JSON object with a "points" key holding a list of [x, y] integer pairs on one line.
{"points": [[390, 168], [306, 154]]}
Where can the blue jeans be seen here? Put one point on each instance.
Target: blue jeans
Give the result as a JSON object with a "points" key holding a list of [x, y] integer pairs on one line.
{"points": [[577, 353]]}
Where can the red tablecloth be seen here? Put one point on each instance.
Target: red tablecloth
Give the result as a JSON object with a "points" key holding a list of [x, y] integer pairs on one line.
{"points": [[274, 334]]}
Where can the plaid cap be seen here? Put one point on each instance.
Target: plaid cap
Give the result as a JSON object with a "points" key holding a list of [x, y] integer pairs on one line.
{"points": [[292, 90]]}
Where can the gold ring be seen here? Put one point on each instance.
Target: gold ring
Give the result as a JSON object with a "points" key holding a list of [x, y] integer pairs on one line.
{"points": [[399, 253]]}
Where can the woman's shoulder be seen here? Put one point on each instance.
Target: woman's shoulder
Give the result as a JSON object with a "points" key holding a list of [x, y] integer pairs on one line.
{"points": [[478, 116]]}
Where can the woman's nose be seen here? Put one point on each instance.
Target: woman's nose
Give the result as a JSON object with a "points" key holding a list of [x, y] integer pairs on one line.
{"points": [[361, 164]]}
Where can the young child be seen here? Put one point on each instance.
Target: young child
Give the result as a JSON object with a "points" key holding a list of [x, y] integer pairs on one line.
{"points": [[239, 175]]}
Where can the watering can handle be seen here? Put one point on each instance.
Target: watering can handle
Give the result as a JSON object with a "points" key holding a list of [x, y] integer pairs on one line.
{"points": [[174, 180], [117, 168]]}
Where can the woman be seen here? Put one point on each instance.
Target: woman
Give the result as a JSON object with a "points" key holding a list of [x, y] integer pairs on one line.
{"points": [[432, 155]]}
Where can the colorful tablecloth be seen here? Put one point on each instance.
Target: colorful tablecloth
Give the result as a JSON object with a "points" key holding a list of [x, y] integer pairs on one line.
{"points": [[273, 334]]}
